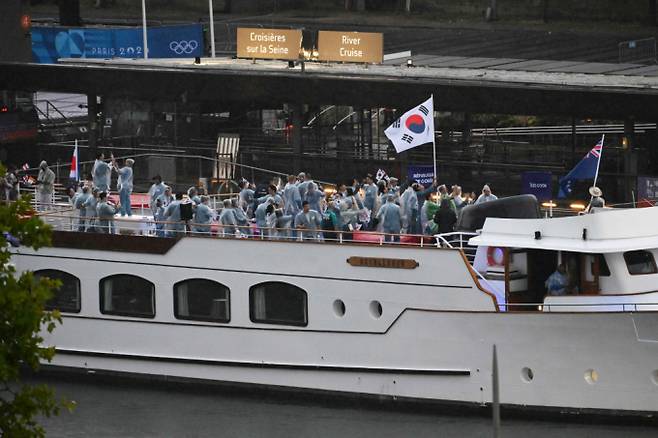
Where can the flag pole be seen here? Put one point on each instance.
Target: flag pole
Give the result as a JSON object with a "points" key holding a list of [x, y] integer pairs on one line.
{"points": [[596, 175], [436, 176]]}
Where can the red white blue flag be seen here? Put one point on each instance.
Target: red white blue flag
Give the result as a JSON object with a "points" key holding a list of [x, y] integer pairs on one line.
{"points": [[414, 128], [74, 174]]}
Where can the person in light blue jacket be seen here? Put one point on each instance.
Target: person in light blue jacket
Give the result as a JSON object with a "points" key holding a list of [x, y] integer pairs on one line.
{"points": [[125, 186], [314, 196], [79, 204], [101, 173], [227, 219], [105, 212], [90, 211], [308, 222], [391, 218], [291, 197], [203, 216], [156, 191], [172, 215]]}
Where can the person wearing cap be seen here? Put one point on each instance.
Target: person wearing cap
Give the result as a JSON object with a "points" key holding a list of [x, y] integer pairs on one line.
{"points": [[101, 173], [390, 217], [156, 190], [45, 186], [308, 222], [597, 200], [125, 186], [486, 195], [105, 212]]}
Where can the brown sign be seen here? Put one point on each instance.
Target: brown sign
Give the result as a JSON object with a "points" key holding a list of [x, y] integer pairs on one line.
{"points": [[378, 262], [350, 46], [269, 43]]}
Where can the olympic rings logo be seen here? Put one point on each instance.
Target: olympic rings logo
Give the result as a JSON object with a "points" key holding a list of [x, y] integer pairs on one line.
{"points": [[180, 47]]}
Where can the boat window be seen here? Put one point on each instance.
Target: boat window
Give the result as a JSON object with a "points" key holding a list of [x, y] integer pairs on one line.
{"points": [[278, 303], [201, 300], [67, 297], [604, 270], [127, 295], [640, 262]]}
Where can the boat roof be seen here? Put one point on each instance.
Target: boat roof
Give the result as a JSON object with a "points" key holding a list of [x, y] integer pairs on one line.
{"points": [[608, 230]]}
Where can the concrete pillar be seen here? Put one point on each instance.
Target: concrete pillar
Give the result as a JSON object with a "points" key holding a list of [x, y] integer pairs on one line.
{"points": [[573, 142], [630, 160], [466, 129], [92, 123], [297, 147]]}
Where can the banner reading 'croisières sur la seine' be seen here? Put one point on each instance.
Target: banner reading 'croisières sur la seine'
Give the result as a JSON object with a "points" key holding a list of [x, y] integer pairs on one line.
{"points": [[52, 43]]}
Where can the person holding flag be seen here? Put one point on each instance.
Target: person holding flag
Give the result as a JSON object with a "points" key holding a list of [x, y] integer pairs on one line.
{"points": [[587, 168], [414, 128]]}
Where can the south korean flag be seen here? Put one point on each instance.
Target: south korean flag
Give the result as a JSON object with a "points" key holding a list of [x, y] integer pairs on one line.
{"points": [[414, 128]]}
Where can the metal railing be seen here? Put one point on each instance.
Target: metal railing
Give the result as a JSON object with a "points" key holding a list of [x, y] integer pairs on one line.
{"points": [[579, 307], [146, 226]]}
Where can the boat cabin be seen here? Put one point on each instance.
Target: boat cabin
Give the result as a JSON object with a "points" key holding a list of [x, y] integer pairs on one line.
{"points": [[608, 258]]}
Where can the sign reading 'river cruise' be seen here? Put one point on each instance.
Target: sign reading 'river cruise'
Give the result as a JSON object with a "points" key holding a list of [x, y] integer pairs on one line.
{"points": [[269, 43], [350, 46]]}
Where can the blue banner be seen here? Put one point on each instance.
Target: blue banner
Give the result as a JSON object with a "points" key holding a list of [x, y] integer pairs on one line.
{"points": [[647, 187], [539, 184], [421, 174], [52, 43]]}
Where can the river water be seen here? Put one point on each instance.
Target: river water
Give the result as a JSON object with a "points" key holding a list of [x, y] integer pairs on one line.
{"points": [[123, 409]]}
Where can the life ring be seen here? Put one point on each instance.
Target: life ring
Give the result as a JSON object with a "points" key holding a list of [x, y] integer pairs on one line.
{"points": [[495, 256]]}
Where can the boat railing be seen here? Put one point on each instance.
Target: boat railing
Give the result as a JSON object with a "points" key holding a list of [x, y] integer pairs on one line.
{"points": [[594, 306], [147, 226]]}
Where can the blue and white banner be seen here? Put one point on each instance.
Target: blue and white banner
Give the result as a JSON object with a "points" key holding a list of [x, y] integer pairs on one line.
{"points": [[421, 174], [51, 43], [539, 184]]}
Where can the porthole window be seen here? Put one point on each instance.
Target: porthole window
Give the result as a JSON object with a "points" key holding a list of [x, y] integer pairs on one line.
{"points": [[339, 308], [67, 297], [127, 295], [376, 309], [201, 300], [527, 374], [278, 303], [640, 262]]}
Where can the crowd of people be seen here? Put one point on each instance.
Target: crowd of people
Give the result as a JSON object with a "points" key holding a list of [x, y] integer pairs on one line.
{"points": [[303, 209]]}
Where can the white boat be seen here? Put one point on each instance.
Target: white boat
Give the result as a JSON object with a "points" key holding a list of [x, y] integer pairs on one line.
{"points": [[380, 320]]}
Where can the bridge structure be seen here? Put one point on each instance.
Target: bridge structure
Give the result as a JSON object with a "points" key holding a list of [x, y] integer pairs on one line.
{"points": [[627, 93]]}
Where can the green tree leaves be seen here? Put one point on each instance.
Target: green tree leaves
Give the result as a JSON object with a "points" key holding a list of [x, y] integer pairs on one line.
{"points": [[22, 315]]}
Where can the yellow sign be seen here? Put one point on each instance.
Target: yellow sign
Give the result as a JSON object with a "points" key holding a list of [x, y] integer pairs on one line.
{"points": [[379, 262], [269, 43], [350, 46]]}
